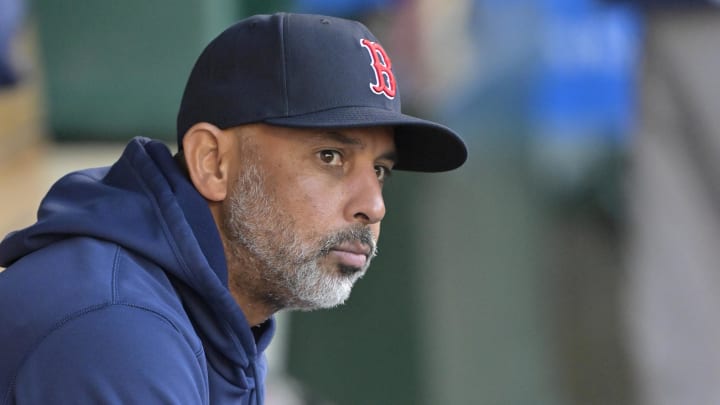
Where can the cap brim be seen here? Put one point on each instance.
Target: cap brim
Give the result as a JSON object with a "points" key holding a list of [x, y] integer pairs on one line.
{"points": [[422, 146]]}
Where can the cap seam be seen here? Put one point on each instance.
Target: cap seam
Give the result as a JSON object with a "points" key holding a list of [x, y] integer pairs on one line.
{"points": [[287, 115]]}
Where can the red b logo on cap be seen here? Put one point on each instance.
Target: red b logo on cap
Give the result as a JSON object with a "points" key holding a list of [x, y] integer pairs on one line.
{"points": [[380, 62]]}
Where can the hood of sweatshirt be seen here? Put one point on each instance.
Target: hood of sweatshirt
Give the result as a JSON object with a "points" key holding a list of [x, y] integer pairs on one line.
{"points": [[146, 204]]}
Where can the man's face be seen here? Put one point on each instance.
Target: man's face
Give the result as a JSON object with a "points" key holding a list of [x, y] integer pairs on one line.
{"points": [[303, 215]]}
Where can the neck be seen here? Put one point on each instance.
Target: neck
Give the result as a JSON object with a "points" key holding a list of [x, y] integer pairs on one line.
{"points": [[255, 310]]}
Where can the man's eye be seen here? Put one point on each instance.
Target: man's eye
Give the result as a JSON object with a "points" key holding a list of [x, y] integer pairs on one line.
{"points": [[382, 172], [330, 157]]}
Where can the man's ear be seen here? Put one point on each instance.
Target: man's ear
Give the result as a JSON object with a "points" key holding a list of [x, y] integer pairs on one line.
{"points": [[206, 149]]}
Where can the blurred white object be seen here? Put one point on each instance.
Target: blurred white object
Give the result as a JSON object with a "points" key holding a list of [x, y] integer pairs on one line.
{"points": [[673, 290]]}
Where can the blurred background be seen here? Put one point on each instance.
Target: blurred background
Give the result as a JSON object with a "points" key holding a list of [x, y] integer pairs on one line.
{"points": [[572, 260]]}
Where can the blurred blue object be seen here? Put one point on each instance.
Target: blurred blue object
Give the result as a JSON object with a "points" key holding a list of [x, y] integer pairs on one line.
{"points": [[582, 102], [585, 78], [555, 79], [340, 8], [552, 68], [11, 15]]}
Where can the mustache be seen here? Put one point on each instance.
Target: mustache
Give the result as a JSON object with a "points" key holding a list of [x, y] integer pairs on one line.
{"points": [[357, 233]]}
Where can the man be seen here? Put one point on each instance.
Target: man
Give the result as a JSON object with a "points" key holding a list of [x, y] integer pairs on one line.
{"points": [[155, 280]]}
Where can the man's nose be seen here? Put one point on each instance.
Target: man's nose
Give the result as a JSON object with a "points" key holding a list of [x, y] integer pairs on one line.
{"points": [[365, 204]]}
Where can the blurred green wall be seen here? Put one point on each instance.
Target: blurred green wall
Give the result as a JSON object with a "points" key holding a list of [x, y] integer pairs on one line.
{"points": [[117, 69]]}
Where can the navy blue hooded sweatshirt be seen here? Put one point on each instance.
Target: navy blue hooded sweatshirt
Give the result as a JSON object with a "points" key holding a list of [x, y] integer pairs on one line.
{"points": [[118, 295]]}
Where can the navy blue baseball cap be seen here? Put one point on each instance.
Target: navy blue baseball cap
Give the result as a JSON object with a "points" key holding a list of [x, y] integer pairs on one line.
{"points": [[310, 71]]}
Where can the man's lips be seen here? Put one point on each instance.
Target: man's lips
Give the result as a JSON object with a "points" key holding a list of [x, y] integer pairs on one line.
{"points": [[353, 254]]}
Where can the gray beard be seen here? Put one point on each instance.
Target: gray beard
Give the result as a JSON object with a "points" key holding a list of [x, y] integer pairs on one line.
{"points": [[278, 266]]}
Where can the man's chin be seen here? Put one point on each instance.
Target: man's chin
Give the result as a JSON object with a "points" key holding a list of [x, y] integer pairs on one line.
{"points": [[328, 299]]}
